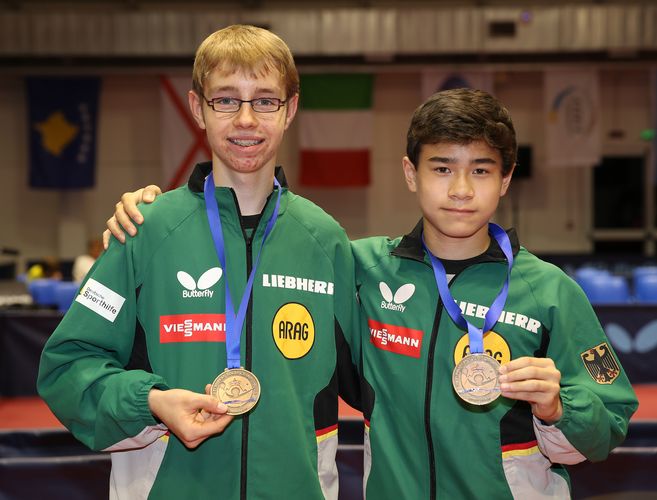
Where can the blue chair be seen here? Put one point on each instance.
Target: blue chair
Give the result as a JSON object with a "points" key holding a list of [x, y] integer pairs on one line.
{"points": [[643, 270], [645, 288], [587, 277], [43, 291], [586, 271], [65, 293], [607, 289]]}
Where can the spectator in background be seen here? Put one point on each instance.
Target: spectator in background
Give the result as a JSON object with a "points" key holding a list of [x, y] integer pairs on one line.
{"points": [[84, 262], [49, 267]]}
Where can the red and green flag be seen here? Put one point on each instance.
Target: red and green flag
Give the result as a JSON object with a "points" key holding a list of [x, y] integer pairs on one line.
{"points": [[335, 123]]}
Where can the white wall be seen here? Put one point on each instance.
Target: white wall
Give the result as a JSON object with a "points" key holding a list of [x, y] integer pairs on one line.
{"points": [[551, 210]]}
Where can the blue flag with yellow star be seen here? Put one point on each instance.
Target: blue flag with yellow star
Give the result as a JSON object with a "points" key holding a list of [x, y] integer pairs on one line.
{"points": [[62, 128]]}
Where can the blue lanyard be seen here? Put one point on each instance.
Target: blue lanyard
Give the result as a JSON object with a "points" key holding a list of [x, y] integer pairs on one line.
{"points": [[234, 322], [475, 335]]}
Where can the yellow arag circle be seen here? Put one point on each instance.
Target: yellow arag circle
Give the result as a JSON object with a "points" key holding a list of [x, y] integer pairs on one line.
{"points": [[494, 345], [293, 330]]}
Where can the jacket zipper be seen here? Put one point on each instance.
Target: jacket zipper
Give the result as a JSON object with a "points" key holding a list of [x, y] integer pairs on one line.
{"points": [[247, 365], [247, 353], [427, 402], [248, 348]]}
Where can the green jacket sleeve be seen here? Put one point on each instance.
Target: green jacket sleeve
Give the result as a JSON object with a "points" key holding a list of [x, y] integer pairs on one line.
{"points": [[598, 399], [82, 375], [347, 324]]}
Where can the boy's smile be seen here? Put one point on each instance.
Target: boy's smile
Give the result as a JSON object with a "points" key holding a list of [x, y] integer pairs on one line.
{"points": [[458, 188]]}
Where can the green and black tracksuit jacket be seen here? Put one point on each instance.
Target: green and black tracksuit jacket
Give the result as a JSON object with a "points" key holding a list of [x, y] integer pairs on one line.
{"points": [[421, 440], [151, 313]]}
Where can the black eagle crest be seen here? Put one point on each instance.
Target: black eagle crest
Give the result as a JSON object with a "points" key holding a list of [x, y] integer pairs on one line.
{"points": [[601, 364]]}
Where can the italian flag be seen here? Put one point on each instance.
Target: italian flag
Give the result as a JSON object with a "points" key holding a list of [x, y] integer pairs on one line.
{"points": [[335, 129]]}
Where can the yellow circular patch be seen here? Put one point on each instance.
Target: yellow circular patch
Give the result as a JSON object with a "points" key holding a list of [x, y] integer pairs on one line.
{"points": [[293, 330], [494, 345]]}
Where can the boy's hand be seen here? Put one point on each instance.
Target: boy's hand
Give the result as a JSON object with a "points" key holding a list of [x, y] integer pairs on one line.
{"points": [[126, 212], [190, 416], [535, 380]]}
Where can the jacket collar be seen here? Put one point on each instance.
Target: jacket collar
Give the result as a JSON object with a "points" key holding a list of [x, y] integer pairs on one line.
{"points": [[410, 247], [202, 170]]}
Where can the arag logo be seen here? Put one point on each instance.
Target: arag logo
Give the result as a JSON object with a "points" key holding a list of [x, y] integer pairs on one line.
{"points": [[293, 330], [195, 289], [494, 345], [395, 302]]}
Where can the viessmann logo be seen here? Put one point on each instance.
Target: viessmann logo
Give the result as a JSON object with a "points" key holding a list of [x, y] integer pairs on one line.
{"points": [[397, 339], [395, 302], [193, 328], [195, 289]]}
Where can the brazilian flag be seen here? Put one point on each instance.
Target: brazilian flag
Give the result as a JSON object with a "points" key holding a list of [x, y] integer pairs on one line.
{"points": [[62, 126]]}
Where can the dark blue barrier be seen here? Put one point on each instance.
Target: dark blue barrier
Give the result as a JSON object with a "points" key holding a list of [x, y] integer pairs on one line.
{"points": [[23, 334], [632, 330], [50, 464], [53, 465]]}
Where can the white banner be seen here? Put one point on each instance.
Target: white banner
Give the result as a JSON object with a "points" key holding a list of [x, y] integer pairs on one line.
{"points": [[183, 143], [436, 80], [572, 118]]}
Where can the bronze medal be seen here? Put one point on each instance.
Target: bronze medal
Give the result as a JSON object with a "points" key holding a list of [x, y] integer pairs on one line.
{"points": [[237, 388], [476, 379]]}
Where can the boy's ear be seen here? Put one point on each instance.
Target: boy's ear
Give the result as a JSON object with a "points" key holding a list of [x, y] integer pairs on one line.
{"points": [[291, 109], [506, 181], [196, 107], [410, 174]]}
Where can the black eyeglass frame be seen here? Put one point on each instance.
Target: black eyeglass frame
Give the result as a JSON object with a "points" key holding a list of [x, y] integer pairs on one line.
{"points": [[210, 102]]}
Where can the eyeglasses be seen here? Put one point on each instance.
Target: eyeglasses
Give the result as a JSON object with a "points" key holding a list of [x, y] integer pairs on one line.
{"points": [[233, 104]]}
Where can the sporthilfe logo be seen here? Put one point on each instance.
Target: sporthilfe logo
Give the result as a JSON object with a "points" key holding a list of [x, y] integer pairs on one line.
{"points": [[199, 289], [395, 303]]}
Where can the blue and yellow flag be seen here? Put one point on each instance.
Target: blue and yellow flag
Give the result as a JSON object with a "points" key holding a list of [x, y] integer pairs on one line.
{"points": [[62, 128]]}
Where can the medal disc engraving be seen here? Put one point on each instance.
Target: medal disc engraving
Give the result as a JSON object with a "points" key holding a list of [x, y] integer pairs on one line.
{"points": [[476, 379], [237, 388]]}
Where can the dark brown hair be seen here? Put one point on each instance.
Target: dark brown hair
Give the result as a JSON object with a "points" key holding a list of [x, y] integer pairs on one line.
{"points": [[461, 116]]}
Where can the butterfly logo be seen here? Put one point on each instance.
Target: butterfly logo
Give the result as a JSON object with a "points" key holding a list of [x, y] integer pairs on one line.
{"points": [[644, 341], [200, 288], [395, 302]]}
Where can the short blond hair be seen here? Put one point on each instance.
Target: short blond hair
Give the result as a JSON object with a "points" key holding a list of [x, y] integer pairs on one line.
{"points": [[245, 48]]}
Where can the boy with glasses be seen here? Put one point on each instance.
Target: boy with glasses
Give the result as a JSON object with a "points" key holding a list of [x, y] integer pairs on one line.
{"points": [[203, 354], [484, 369]]}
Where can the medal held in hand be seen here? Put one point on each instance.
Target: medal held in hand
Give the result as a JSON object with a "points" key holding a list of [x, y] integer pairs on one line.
{"points": [[236, 387], [476, 377]]}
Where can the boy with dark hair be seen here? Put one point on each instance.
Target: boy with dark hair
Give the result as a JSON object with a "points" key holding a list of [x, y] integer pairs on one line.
{"points": [[232, 303], [448, 302], [484, 369]]}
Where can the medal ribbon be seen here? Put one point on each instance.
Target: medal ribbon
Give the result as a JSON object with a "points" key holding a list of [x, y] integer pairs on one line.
{"points": [[475, 335], [234, 322]]}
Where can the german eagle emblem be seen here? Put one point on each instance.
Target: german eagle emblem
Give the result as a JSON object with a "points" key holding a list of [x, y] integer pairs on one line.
{"points": [[601, 364]]}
